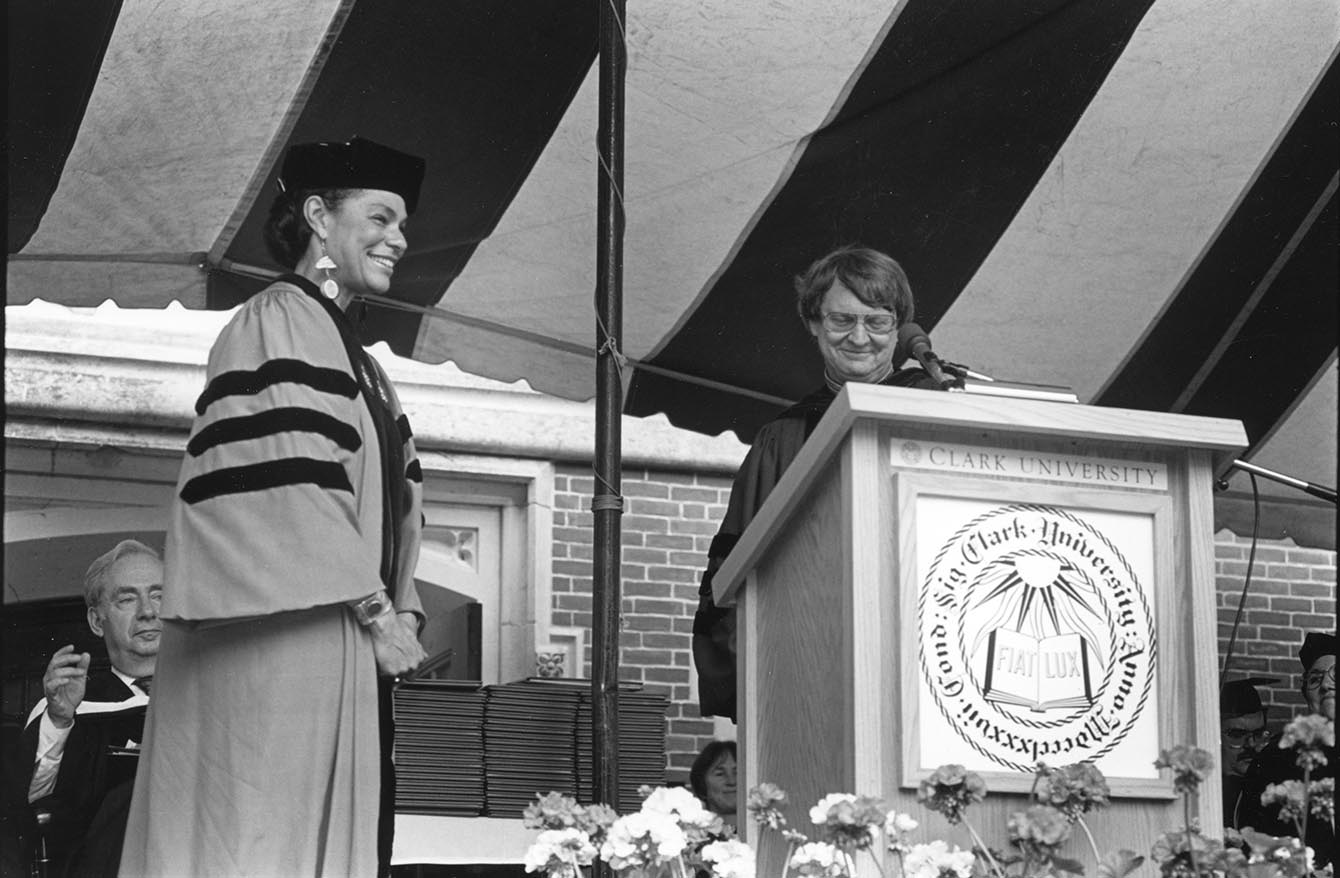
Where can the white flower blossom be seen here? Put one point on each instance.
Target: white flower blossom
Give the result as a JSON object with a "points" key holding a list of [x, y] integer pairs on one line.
{"points": [[817, 858], [932, 859], [681, 803], [897, 823], [730, 859], [643, 839], [819, 813], [559, 852]]}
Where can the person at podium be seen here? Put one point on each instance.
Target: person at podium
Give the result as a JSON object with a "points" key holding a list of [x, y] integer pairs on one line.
{"points": [[852, 301]]}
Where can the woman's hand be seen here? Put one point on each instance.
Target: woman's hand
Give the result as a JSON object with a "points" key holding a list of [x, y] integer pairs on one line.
{"points": [[395, 643]]}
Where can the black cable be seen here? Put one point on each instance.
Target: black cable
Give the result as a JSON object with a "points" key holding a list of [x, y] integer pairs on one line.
{"points": [[1247, 581]]}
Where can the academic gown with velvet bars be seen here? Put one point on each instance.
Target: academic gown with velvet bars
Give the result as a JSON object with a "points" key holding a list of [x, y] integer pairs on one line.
{"points": [[299, 493], [775, 446]]}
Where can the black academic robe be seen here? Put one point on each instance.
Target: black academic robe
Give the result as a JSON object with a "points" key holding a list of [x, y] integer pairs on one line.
{"points": [[91, 797], [775, 446], [1275, 765]]}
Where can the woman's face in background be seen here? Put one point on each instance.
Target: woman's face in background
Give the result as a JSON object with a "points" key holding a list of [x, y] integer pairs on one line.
{"points": [[719, 782], [365, 236]]}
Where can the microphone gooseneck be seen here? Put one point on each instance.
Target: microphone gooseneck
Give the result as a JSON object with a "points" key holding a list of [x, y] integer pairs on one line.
{"points": [[915, 342]]}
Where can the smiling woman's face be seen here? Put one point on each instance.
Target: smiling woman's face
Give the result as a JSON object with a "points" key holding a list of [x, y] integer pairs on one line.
{"points": [[857, 354], [719, 783], [365, 237]]}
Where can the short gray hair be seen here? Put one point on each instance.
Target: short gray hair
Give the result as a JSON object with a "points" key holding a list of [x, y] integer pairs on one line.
{"points": [[873, 277], [96, 577]]}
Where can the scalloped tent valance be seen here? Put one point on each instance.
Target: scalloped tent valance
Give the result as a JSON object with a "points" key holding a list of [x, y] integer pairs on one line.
{"points": [[1137, 199]]}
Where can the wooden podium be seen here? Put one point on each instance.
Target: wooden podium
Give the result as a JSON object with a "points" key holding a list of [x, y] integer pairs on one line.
{"points": [[952, 578]]}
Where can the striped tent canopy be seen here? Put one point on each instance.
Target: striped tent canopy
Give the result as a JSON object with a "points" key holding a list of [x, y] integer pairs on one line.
{"points": [[1135, 198]]}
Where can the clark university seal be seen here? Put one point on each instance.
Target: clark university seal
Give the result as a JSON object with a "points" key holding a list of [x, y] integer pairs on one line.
{"points": [[1037, 642]]}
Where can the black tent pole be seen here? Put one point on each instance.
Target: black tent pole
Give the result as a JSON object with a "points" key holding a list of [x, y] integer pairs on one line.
{"points": [[606, 501]]}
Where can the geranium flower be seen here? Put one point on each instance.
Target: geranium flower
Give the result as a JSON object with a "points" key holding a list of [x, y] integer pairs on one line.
{"points": [[595, 820], [1040, 829], [936, 859], [1075, 789], [850, 822], [560, 853], [730, 859], [817, 858], [896, 825], [1288, 797], [1190, 766], [950, 789], [680, 803], [552, 811], [819, 813], [1173, 852], [765, 803], [644, 839], [1310, 735]]}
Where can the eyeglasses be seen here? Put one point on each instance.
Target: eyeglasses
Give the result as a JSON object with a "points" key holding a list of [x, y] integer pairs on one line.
{"points": [[875, 324], [1315, 678], [1238, 737]]}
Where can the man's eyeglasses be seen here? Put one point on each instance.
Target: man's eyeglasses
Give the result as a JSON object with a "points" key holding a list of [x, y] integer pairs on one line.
{"points": [[875, 324], [1238, 737], [1314, 679]]}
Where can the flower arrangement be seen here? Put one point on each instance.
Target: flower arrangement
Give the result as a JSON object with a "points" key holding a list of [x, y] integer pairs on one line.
{"points": [[673, 835]]}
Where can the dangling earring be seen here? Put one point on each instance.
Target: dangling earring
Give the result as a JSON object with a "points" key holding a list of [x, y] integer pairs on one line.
{"points": [[329, 288]]}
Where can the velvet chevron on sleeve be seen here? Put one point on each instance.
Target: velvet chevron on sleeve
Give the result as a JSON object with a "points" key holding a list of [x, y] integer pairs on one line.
{"points": [[283, 461]]}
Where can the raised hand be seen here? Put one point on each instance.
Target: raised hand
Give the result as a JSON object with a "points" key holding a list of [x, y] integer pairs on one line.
{"points": [[63, 683]]}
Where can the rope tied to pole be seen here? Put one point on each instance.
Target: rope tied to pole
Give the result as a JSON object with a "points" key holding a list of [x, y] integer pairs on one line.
{"points": [[607, 503]]}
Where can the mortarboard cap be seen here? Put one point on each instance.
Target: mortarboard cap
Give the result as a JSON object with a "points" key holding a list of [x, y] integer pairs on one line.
{"points": [[358, 164], [1315, 645], [1239, 697]]}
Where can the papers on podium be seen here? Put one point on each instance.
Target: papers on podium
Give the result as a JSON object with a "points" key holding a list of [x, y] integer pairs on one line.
{"points": [[1020, 390]]}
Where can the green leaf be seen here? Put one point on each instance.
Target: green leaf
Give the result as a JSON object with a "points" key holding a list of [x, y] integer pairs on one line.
{"points": [[1118, 864], [1071, 867]]}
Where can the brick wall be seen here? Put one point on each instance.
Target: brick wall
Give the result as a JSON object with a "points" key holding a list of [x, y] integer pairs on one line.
{"points": [[670, 518], [1292, 591]]}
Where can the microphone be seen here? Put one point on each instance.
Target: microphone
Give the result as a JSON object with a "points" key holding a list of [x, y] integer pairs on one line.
{"points": [[914, 341]]}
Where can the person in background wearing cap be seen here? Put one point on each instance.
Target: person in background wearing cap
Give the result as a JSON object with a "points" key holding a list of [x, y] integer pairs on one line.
{"points": [[1317, 656], [289, 601], [76, 757], [1242, 735]]}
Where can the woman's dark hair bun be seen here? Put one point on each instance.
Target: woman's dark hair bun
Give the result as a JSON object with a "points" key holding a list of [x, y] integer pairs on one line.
{"points": [[286, 232]]}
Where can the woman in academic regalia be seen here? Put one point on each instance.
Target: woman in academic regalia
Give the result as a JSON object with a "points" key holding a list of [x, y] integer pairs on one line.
{"points": [[289, 600], [853, 302]]}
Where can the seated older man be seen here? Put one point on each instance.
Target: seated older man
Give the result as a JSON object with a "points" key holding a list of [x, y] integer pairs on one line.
{"points": [[76, 757]]}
